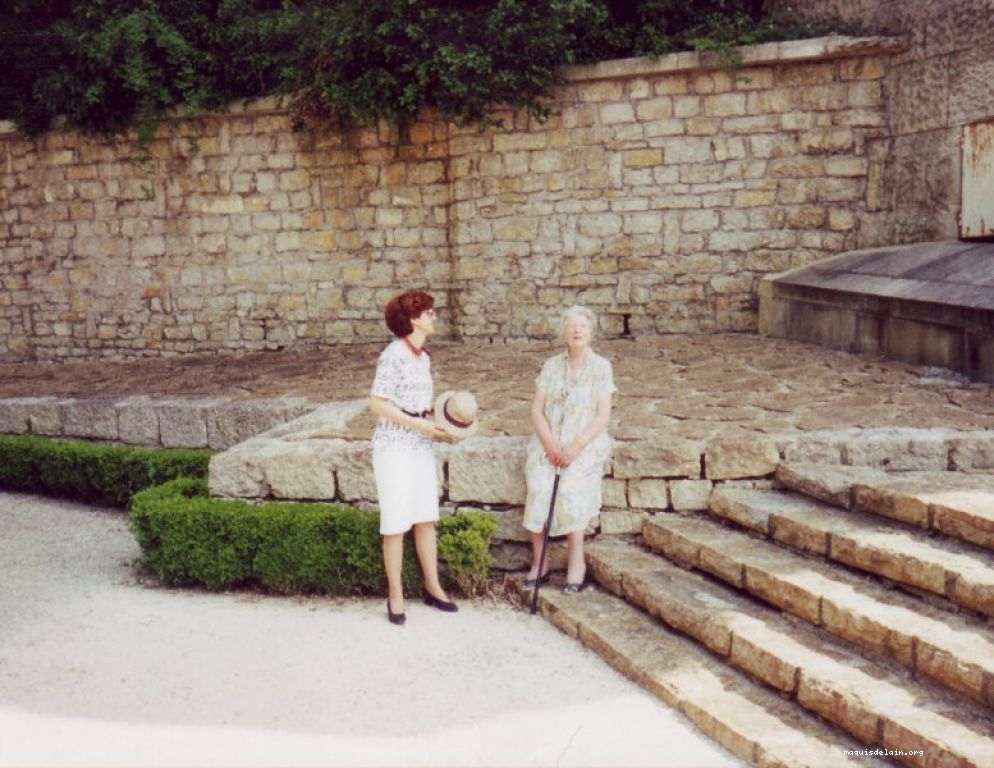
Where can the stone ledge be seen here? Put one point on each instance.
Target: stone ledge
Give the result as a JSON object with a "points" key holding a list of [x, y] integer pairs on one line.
{"points": [[786, 52], [217, 423]]}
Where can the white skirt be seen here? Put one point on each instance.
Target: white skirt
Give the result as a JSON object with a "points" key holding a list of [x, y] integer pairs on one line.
{"points": [[407, 488]]}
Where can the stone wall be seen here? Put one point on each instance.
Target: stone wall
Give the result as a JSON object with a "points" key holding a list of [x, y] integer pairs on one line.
{"points": [[658, 195], [941, 82]]}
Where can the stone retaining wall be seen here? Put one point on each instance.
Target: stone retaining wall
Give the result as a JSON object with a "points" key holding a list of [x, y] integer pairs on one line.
{"points": [[658, 195], [298, 456], [940, 83]]}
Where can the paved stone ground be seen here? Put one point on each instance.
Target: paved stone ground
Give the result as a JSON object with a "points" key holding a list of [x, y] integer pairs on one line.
{"points": [[680, 386]]}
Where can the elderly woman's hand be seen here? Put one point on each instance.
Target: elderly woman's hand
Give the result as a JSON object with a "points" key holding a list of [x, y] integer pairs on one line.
{"points": [[569, 454], [552, 452]]}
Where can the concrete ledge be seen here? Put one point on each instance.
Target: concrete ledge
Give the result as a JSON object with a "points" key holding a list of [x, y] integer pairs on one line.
{"points": [[930, 304]]}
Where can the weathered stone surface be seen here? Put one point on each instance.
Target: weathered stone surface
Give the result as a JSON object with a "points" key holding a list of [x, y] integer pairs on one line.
{"points": [[614, 493], [899, 450], [488, 471], [509, 527], [842, 707], [238, 472], [183, 424], [90, 418], [353, 464], [735, 458], [302, 471], [648, 494], [749, 721], [137, 421], [690, 495], [966, 515], [896, 557], [14, 415], [45, 416], [726, 503], [618, 521], [827, 483], [232, 423], [657, 459]]}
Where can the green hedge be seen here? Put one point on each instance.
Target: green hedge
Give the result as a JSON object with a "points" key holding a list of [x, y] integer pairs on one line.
{"points": [[191, 539], [97, 473]]}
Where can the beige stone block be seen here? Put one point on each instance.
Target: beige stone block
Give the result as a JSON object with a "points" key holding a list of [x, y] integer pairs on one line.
{"points": [[655, 109], [752, 198], [835, 701], [488, 471], [648, 494], [650, 458], [733, 458], [90, 419], [670, 85], [622, 521], [846, 166], [600, 90], [613, 492], [14, 419], [826, 141], [862, 68], [302, 470], [642, 158], [725, 105], [758, 654], [600, 225], [688, 150], [515, 228], [615, 113], [690, 495]]}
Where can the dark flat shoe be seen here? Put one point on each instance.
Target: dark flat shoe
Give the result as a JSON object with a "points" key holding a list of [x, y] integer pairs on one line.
{"points": [[570, 589], [395, 618], [532, 583], [443, 605]]}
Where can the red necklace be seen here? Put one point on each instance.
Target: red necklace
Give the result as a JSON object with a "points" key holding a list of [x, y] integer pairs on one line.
{"points": [[416, 350]]}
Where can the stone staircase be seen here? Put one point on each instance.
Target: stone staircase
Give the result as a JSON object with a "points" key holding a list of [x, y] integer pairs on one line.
{"points": [[847, 609]]}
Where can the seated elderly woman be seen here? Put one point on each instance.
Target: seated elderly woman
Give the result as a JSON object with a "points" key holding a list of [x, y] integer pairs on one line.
{"points": [[570, 412]]}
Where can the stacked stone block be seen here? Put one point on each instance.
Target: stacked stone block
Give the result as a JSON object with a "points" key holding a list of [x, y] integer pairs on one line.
{"points": [[940, 83], [657, 194]]}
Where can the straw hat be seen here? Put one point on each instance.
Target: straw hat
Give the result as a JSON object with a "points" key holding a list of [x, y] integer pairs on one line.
{"points": [[455, 412]]}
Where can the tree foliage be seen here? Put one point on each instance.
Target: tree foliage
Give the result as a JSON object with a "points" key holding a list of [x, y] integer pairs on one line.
{"points": [[103, 64]]}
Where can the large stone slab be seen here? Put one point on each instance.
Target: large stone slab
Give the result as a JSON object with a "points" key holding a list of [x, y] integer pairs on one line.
{"points": [[233, 422], [93, 419], [138, 421], [657, 459], [488, 470], [737, 458]]}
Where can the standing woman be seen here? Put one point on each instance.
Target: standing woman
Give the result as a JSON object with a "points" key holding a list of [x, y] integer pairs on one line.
{"points": [[403, 449], [570, 412]]}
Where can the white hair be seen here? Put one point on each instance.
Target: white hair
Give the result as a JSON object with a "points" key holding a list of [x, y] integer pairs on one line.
{"points": [[577, 310]]}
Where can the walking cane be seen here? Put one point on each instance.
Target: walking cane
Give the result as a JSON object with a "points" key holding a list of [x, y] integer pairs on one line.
{"points": [[545, 543]]}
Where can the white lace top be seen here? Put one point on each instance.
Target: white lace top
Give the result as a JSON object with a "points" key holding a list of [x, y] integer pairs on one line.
{"points": [[404, 379]]}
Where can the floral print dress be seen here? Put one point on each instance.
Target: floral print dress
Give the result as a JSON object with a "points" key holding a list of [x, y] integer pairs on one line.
{"points": [[570, 405]]}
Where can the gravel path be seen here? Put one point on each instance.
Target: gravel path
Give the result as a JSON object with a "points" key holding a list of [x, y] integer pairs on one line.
{"points": [[98, 670]]}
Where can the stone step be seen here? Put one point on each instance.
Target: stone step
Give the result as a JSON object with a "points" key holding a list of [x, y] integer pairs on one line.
{"points": [[881, 707], [750, 721], [958, 572], [953, 651], [954, 504]]}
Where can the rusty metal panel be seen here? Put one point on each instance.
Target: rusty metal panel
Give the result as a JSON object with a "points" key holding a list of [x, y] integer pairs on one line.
{"points": [[977, 209]]}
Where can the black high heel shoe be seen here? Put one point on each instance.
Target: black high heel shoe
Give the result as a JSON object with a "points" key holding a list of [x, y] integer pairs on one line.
{"points": [[434, 602], [395, 618]]}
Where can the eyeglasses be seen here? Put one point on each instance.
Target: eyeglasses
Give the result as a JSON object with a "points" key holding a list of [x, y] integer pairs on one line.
{"points": [[429, 313]]}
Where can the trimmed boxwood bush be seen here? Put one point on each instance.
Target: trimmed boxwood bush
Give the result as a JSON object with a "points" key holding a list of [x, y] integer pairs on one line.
{"points": [[191, 539], [97, 473]]}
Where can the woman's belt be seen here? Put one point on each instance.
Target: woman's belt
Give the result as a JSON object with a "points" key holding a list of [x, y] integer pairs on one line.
{"points": [[416, 414]]}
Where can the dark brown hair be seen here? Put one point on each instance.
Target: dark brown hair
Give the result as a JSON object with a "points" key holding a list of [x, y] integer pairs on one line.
{"points": [[403, 308]]}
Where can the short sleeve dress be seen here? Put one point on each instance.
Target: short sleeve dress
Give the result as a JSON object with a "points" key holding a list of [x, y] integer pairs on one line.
{"points": [[570, 405], [404, 460]]}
